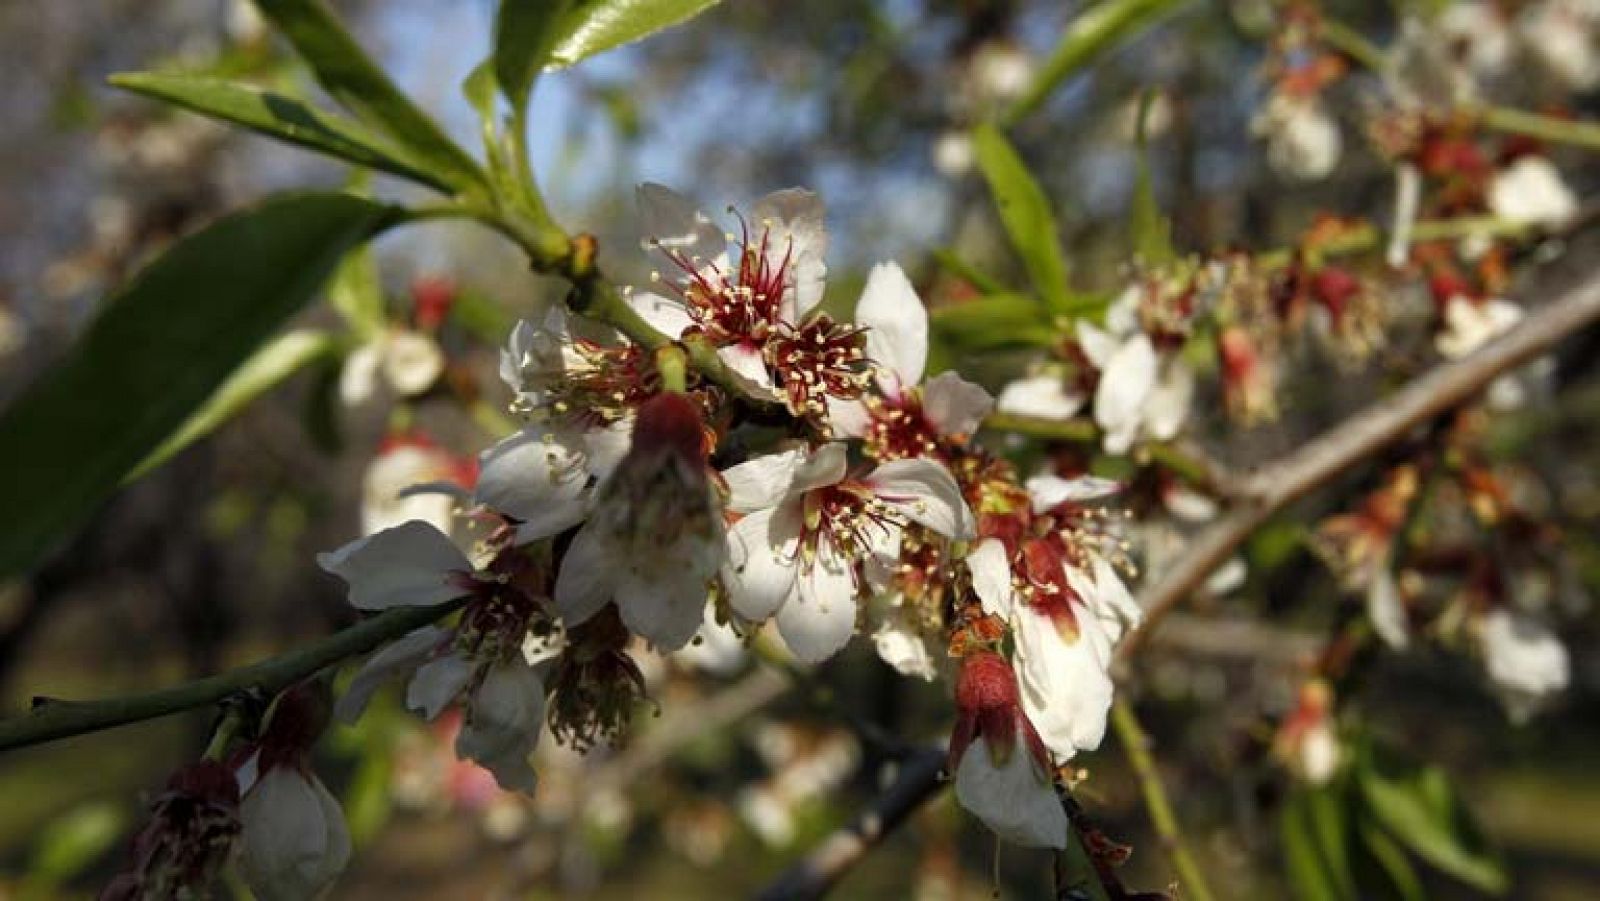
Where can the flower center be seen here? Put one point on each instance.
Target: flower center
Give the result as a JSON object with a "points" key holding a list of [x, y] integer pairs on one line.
{"points": [[738, 306], [818, 360], [849, 516], [899, 428]]}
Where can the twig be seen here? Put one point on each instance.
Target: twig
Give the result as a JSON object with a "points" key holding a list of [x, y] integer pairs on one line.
{"points": [[1275, 485], [53, 719], [813, 875], [1136, 744]]}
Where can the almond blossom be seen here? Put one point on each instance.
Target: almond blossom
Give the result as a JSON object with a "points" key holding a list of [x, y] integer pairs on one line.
{"points": [[807, 521], [480, 661], [1527, 664]]}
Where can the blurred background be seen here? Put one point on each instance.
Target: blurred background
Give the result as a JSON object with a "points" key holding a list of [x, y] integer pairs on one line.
{"points": [[207, 562]]}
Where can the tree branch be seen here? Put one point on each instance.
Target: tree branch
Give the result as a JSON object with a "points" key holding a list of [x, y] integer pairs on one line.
{"points": [[813, 875], [52, 719]]}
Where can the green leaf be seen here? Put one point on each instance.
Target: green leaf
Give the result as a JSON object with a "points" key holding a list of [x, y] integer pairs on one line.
{"points": [[999, 320], [357, 295], [1314, 831], [72, 843], [1096, 31], [346, 72], [525, 31], [266, 369], [594, 26], [1025, 212], [282, 117], [1152, 233], [157, 351], [1416, 803], [1381, 869]]}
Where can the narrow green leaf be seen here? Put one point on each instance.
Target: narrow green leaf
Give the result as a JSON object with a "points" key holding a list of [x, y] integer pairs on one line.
{"points": [[346, 72], [1025, 213], [525, 31], [999, 320], [267, 368], [960, 268], [1314, 832], [1381, 869], [1416, 803], [357, 295], [157, 351], [1152, 233], [594, 26], [70, 844], [1099, 29], [282, 117]]}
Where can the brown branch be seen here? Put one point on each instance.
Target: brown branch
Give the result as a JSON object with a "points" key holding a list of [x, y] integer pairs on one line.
{"points": [[1274, 486], [813, 875]]}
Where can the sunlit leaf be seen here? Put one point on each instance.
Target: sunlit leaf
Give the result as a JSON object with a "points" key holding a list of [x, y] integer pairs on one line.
{"points": [[357, 295], [346, 72], [1314, 829], [1099, 29], [72, 843], [1416, 803], [1152, 233], [594, 26], [525, 31], [267, 368], [1381, 868], [1025, 212], [282, 117], [158, 350]]}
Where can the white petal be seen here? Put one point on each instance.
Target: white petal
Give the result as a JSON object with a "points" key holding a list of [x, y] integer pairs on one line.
{"points": [[954, 405], [847, 418], [604, 448], [666, 315], [1045, 396], [358, 378], [412, 362], [1532, 191], [991, 577], [587, 578], [1047, 490], [502, 725], [1168, 404], [1525, 660], [399, 656], [903, 648], [294, 842], [1013, 799], [897, 323], [437, 685], [749, 370], [820, 618], [667, 612], [1066, 688], [761, 482], [676, 224], [926, 493], [761, 571], [1386, 611], [794, 219], [1124, 387], [720, 651], [1099, 345], [535, 476], [826, 466], [410, 565], [1112, 593]]}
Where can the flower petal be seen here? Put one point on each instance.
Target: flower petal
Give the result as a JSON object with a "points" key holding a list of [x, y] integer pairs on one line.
{"points": [[749, 369], [294, 842], [1168, 404], [537, 477], [667, 612], [926, 493], [761, 571], [666, 315], [903, 648], [797, 239], [820, 618], [587, 578], [1066, 686], [761, 482], [437, 684], [502, 724], [1125, 385], [1047, 490], [399, 656], [954, 405], [410, 565], [990, 566], [896, 322], [1012, 797], [1384, 608], [1045, 396], [826, 466], [673, 223]]}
